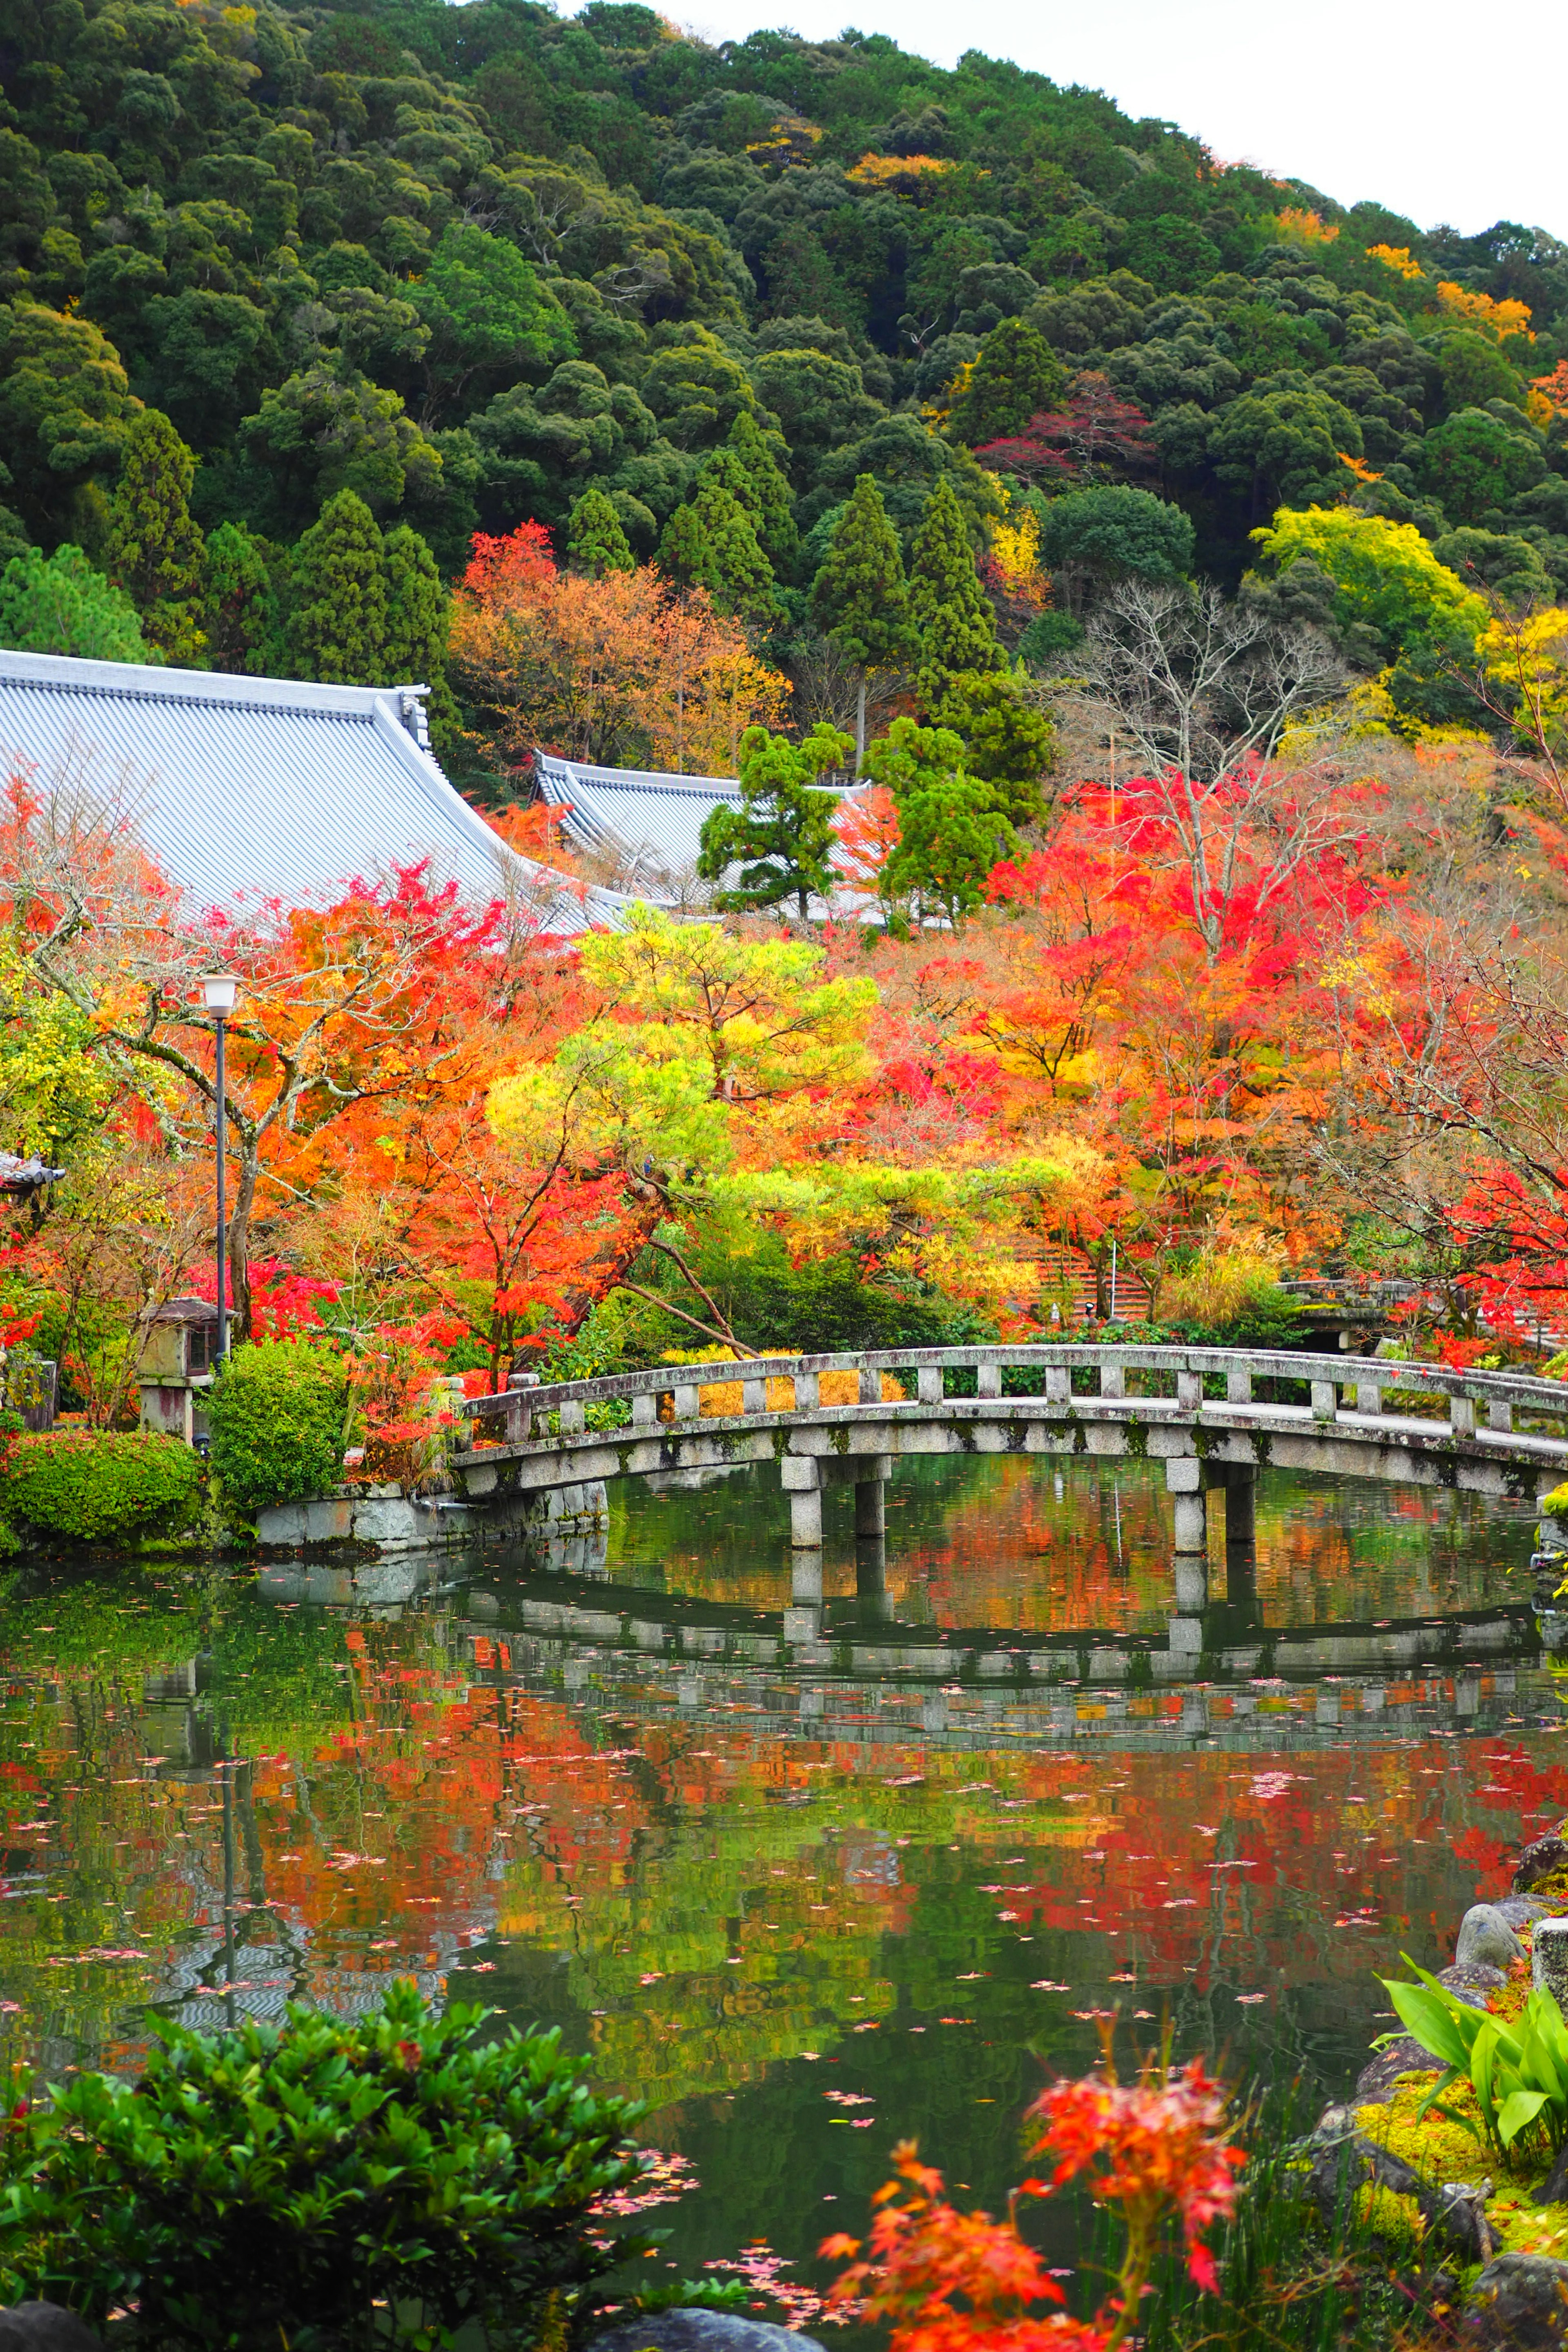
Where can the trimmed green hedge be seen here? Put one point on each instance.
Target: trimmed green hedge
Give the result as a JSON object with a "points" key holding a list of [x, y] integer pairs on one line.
{"points": [[99, 1486], [275, 1414]]}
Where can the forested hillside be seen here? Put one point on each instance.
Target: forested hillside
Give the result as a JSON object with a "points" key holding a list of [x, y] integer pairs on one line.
{"points": [[469, 263]]}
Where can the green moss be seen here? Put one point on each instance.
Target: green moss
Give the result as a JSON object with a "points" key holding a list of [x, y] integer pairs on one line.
{"points": [[1384, 2214]]}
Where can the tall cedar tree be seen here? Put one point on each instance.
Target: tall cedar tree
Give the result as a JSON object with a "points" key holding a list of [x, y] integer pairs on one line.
{"points": [[237, 607], [781, 835], [1016, 375], [418, 619], [861, 598], [685, 555], [771, 503], [957, 628], [152, 549], [744, 578], [595, 543], [337, 623], [59, 604]]}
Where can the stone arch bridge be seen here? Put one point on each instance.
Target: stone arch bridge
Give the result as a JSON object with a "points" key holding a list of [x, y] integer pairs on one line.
{"points": [[1214, 1416]]}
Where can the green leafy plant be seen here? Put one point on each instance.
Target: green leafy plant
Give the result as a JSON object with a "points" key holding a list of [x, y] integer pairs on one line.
{"points": [[1519, 2074], [276, 1413], [100, 1485], [323, 2186]]}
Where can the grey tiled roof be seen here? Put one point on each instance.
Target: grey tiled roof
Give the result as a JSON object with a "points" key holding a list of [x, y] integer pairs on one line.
{"points": [[652, 824], [251, 789]]}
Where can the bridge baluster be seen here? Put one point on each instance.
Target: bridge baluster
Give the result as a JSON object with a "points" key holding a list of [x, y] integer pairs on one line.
{"points": [[870, 1385], [1059, 1384], [930, 1386], [572, 1416], [645, 1410], [1189, 1390], [807, 1392], [753, 1396], [1325, 1399], [1499, 1415], [1462, 1415], [988, 1380], [1238, 1387], [688, 1400], [1369, 1397], [1112, 1377]]}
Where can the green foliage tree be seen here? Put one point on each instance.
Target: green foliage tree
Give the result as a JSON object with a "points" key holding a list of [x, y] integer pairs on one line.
{"points": [[1386, 579], [781, 835], [770, 503], [948, 606], [1283, 447], [277, 1416], [337, 620], [100, 1485], [741, 577], [1016, 376], [685, 555], [860, 598], [1007, 744], [151, 547], [65, 409], [236, 610], [1477, 461], [485, 309], [59, 604], [951, 835], [1114, 532], [595, 543]]}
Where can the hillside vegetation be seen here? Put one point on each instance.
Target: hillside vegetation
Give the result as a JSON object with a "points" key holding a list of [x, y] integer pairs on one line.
{"points": [[470, 264]]}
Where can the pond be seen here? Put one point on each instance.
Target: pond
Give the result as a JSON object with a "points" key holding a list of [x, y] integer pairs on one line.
{"points": [[801, 1908]]}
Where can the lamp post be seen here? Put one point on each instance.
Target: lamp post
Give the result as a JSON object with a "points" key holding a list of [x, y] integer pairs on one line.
{"points": [[219, 990]]}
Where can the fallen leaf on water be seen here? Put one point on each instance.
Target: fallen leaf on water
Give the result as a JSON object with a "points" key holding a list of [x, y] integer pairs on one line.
{"points": [[1049, 1984], [1247, 1998]]}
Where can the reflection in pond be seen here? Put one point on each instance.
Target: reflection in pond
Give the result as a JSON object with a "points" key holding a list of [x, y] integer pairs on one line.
{"points": [[804, 1896]]}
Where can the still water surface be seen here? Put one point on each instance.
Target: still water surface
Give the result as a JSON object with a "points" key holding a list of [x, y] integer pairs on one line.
{"points": [[801, 1910]]}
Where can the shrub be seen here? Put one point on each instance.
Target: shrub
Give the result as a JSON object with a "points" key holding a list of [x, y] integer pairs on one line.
{"points": [[99, 1486], [277, 1419], [322, 2185]]}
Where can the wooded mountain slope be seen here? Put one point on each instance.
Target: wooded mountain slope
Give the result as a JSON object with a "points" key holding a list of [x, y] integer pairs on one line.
{"points": [[469, 262]]}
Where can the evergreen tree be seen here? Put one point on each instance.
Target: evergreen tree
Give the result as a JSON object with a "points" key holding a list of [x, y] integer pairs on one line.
{"points": [[684, 553], [237, 609], [595, 543], [418, 616], [151, 548], [59, 604], [1016, 376], [860, 597], [337, 623], [951, 835], [957, 628], [771, 502], [782, 834], [743, 576], [1006, 745]]}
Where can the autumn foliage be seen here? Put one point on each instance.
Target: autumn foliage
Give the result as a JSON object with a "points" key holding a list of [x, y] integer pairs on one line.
{"points": [[1152, 2149]]}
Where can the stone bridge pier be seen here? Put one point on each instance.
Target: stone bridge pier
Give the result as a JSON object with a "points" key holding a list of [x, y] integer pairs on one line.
{"points": [[804, 1477]]}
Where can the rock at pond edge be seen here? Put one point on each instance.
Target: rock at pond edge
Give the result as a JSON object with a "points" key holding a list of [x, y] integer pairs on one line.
{"points": [[45, 2327], [1344, 2158], [1486, 1939], [1542, 1858], [703, 2331], [1518, 2303], [1379, 2074]]}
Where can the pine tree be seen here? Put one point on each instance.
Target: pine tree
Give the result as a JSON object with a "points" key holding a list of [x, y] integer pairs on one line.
{"points": [[771, 503], [860, 597], [743, 576], [684, 553], [782, 834], [957, 628], [237, 609], [152, 549], [595, 543], [337, 626]]}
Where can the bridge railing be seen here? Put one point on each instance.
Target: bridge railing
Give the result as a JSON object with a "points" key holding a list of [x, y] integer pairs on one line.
{"points": [[1364, 1381]]}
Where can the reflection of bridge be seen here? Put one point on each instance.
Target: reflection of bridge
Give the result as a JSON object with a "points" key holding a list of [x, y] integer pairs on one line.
{"points": [[1214, 1416]]}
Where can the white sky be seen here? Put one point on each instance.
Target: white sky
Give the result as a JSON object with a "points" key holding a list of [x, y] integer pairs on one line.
{"points": [[1434, 111]]}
